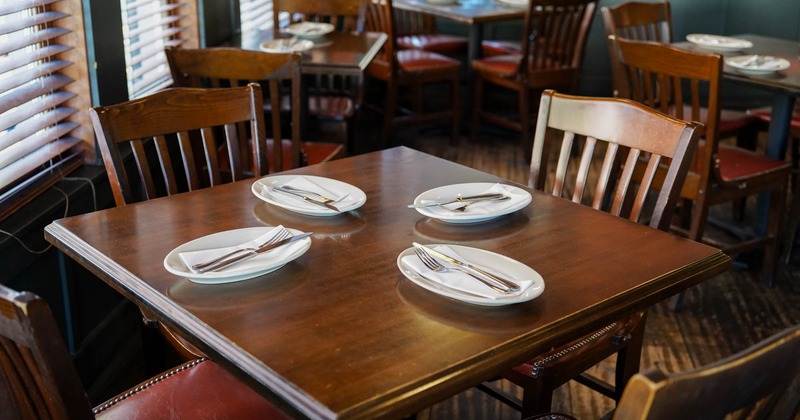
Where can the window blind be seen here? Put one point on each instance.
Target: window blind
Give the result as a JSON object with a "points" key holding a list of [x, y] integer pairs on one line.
{"points": [[255, 15], [37, 144], [148, 27]]}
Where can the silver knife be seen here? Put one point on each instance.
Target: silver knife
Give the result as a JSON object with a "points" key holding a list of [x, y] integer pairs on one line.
{"points": [[307, 198], [507, 283], [457, 200], [224, 263]]}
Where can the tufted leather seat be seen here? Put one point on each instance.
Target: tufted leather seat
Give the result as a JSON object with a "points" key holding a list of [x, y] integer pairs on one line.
{"points": [[200, 389], [491, 48], [418, 61], [438, 43]]}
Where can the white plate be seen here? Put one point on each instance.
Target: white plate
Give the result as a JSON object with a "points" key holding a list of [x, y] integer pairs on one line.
{"points": [[514, 3], [254, 267], [495, 262], [286, 45], [310, 29], [264, 189], [520, 199], [440, 1], [718, 43], [746, 64]]}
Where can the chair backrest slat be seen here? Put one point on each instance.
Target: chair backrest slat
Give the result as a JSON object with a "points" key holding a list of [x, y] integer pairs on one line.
{"points": [[619, 125]]}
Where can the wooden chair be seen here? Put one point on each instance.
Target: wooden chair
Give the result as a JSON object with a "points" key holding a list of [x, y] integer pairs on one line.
{"points": [[173, 135], [331, 98], [39, 381], [721, 173], [752, 380], [417, 31], [414, 69], [610, 130], [553, 40], [277, 73], [643, 21]]}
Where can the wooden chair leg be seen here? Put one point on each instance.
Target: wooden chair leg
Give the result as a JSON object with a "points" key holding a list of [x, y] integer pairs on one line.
{"points": [[629, 360], [477, 103], [389, 112], [772, 250], [538, 398], [456, 107]]}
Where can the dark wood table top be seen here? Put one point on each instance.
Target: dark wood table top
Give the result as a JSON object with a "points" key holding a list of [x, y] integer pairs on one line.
{"points": [[469, 12], [787, 80], [338, 53], [339, 332]]}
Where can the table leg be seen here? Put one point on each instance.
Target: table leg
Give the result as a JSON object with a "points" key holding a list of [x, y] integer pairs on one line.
{"points": [[777, 138]]}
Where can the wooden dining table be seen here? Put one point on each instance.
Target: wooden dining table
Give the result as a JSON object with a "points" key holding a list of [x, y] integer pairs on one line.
{"points": [[475, 14], [340, 332]]}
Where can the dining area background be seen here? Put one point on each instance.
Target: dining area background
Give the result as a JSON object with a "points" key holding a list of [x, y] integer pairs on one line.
{"points": [[103, 330]]}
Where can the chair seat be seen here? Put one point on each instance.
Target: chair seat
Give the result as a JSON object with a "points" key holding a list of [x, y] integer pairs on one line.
{"points": [[501, 65], [200, 389], [418, 61], [492, 48], [438, 43], [765, 115], [731, 121], [736, 163], [318, 152], [331, 106]]}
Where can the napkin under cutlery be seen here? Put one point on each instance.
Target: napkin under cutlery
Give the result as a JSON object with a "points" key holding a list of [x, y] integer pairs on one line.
{"points": [[190, 258], [460, 281]]}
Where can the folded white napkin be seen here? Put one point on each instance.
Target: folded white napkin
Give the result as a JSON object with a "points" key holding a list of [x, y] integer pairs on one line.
{"points": [[482, 207], [271, 257], [303, 183], [458, 280]]}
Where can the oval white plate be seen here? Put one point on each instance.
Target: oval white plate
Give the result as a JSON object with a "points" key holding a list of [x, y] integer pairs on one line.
{"points": [[310, 29], [256, 266], [474, 188], [514, 3], [440, 1], [496, 262], [263, 190], [718, 42], [286, 45], [741, 62]]}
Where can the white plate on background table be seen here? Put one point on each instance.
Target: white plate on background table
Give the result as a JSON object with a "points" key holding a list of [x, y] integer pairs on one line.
{"points": [[440, 1], [479, 212], [310, 29], [513, 3], [718, 42], [508, 267], [254, 267], [286, 45], [264, 189], [747, 64]]}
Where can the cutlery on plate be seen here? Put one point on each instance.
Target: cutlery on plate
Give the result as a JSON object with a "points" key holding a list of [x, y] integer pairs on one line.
{"points": [[250, 254], [322, 197], [279, 236], [307, 198], [507, 284], [436, 266], [457, 200], [463, 208]]}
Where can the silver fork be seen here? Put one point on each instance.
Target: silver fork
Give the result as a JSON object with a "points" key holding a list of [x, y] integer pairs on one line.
{"points": [[283, 234], [435, 265]]}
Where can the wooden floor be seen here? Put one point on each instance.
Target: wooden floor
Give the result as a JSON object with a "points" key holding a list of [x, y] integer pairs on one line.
{"points": [[718, 318]]}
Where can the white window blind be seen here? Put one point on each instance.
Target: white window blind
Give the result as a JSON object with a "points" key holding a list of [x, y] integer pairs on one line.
{"points": [[148, 27], [255, 15], [36, 137]]}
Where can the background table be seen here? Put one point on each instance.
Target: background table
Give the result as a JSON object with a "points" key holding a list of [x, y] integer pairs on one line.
{"points": [[339, 332], [474, 13]]}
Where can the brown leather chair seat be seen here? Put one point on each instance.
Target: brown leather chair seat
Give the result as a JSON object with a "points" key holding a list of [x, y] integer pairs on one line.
{"points": [[438, 43], [425, 61]]}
